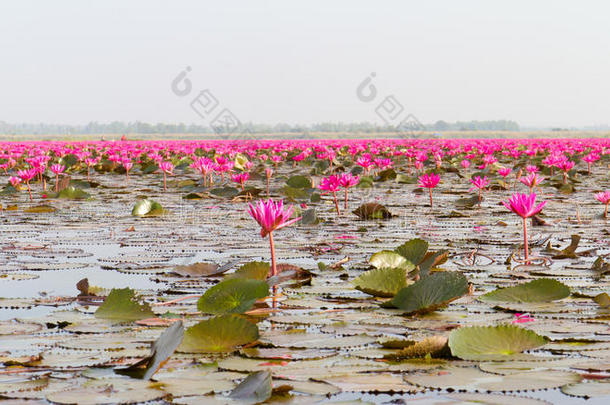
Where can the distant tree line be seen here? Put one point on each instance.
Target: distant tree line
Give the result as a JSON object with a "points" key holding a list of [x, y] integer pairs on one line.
{"points": [[137, 127]]}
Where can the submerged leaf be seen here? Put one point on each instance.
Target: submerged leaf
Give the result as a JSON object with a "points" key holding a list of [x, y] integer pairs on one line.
{"points": [[433, 346], [540, 290], [235, 295], [122, 305], [492, 342], [73, 193], [219, 334]]}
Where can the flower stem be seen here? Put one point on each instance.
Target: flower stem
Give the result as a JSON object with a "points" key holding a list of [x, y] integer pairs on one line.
{"points": [[525, 239], [56, 181], [430, 191], [336, 203], [273, 266], [164, 181], [29, 190], [346, 198]]}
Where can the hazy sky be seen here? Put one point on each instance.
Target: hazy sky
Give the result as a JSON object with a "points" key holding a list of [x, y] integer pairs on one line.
{"points": [[536, 62]]}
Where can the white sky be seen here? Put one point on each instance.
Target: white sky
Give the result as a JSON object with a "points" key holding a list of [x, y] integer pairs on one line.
{"points": [[536, 62]]}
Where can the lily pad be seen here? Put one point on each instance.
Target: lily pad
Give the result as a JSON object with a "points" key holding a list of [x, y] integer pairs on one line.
{"points": [[493, 342], [255, 388], [147, 208], [413, 250], [299, 182], [372, 211], [236, 295], [73, 193], [219, 334], [430, 293], [122, 305], [252, 270], [540, 290], [160, 351], [387, 259], [384, 282]]}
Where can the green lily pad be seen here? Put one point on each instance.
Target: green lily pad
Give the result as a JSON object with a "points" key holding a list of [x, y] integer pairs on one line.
{"points": [[161, 350], [235, 295], [384, 282], [122, 305], [252, 270], [299, 182], [603, 300], [73, 193], [413, 250], [432, 260], [540, 290], [430, 293], [255, 388], [386, 259], [493, 342], [227, 192], [372, 211], [147, 208], [219, 334]]}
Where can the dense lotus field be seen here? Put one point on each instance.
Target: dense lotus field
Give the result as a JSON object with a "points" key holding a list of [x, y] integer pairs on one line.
{"points": [[347, 271]]}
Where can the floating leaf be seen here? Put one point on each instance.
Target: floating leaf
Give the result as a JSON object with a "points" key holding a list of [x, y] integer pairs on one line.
{"points": [[122, 305], [387, 259], [372, 211], [383, 282], [299, 182], [432, 260], [73, 193], [255, 388], [236, 295], [147, 208], [430, 292], [589, 389], [252, 270], [227, 192], [492, 342], [413, 250], [200, 269], [40, 209], [540, 290], [160, 351], [603, 300], [219, 334], [433, 346]]}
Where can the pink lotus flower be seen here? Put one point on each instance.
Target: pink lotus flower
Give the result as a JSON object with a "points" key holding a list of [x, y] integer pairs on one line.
{"points": [[14, 181], [590, 158], [241, 178], [271, 216], [532, 169], [331, 184], [565, 166], [90, 162], [523, 318], [347, 180], [525, 206], [127, 164], [504, 172], [604, 198], [428, 181], [531, 180], [57, 169], [166, 168], [27, 175], [465, 163], [479, 183]]}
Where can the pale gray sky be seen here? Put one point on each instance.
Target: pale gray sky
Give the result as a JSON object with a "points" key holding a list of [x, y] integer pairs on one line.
{"points": [[536, 62]]}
